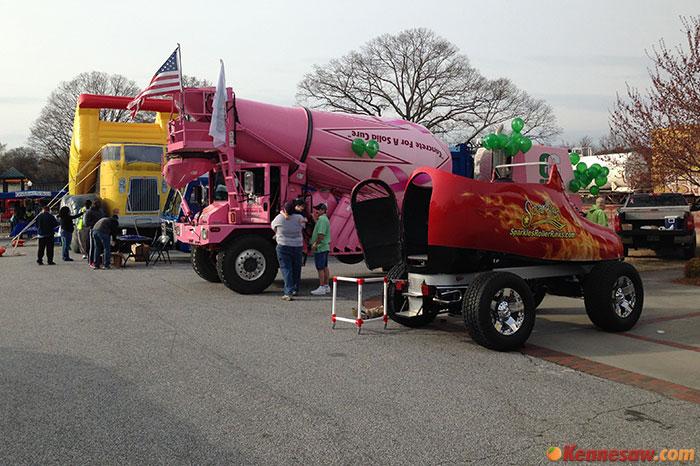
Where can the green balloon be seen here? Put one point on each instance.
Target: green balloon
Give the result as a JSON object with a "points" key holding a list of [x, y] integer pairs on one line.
{"points": [[574, 158], [372, 148], [605, 171], [517, 124], [584, 180], [511, 149], [358, 146], [493, 141], [485, 143], [600, 180], [525, 144], [595, 190], [502, 141], [515, 136], [592, 172], [574, 186], [581, 167]]}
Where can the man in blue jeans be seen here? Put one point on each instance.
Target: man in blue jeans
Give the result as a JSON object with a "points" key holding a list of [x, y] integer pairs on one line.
{"points": [[45, 225], [287, 227], [102, 233], [321, 246]]}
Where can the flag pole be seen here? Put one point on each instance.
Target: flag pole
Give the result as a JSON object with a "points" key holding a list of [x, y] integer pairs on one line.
{"points": [[182, 88]]}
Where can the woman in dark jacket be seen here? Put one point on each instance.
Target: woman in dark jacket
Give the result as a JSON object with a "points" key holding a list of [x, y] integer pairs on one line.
{"points": [[66, 230]]}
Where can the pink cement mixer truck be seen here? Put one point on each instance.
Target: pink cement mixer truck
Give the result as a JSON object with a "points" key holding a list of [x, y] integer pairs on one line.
{"points": [[273, 154]]}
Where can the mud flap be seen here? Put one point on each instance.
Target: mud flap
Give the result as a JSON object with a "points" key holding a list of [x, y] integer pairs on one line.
{"points": [[376, 216]]}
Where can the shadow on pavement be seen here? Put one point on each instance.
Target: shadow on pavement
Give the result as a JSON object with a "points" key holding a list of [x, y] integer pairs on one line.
{"points": [[59, 409]]}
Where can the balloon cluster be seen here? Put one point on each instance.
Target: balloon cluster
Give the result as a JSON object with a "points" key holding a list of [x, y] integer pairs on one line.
{"points": [[512, 144], [359, 147], [584, 175]]}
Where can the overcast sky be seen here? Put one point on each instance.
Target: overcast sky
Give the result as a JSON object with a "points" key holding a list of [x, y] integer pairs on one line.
{"points": [[574, 54]]}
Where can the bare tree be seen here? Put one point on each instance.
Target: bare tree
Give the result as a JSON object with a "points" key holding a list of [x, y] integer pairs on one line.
{"points": [[663, 123], [23, 159], [51, 133], [612, 144], [422, 78], [193, 81]]}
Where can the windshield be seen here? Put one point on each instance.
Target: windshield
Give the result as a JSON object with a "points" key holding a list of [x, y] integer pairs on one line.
{"points": [[172, 204], [111, 153], [150, 154], [656, 200]]}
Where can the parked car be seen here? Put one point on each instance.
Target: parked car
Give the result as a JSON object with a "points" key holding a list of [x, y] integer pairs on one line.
{"points": [[657, 221]]}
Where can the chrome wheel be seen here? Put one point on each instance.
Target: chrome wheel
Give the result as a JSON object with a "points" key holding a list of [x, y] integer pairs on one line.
{"points": [[250, 264], [624, 296], [507, 311]]}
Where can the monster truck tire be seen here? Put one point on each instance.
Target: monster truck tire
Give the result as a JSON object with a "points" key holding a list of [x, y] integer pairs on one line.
{"points": [[247, 264], [614, 296], [396, 302], [204, 263], [349, 259], [499, 310], [689, 251], [538, 295]]}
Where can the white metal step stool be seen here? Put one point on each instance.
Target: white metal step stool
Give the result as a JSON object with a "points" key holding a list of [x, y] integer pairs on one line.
{"points": [[360, 281]]}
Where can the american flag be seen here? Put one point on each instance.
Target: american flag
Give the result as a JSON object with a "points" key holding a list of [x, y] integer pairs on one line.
{"points": [[166, 80]]}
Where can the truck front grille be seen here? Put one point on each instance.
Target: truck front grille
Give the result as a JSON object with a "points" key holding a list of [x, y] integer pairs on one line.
{"points": [[143, 196]]}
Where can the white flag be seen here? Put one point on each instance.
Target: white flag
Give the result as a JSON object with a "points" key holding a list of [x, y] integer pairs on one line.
{"points": [[217, 127]]}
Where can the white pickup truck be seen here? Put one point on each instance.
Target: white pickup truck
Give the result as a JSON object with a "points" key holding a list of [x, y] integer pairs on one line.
{"points": [[657, 221]]}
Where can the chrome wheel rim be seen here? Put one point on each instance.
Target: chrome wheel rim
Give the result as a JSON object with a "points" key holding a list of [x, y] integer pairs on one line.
{"points": [[507, 311], [250, 265], [624, 296]]}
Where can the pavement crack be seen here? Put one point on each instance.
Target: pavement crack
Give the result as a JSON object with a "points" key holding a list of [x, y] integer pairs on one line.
{"points": [[172, 342]]}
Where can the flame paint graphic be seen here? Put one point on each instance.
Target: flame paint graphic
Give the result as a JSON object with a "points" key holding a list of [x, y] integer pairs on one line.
{"points": [[525, 219]]}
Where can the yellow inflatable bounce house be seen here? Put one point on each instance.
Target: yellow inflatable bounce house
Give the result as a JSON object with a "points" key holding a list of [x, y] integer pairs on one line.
{"points": [[120, 162]]}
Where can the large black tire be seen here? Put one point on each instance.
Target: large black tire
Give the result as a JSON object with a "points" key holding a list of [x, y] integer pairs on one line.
{"points": [[204, 263], [614, 296], [689, 251], [538, 293], [349, 259], [504, 330], [538, 297], [396, 302], [248, 264]]}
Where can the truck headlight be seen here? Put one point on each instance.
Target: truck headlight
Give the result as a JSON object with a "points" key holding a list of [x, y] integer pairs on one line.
{"points": [[205, 234]]}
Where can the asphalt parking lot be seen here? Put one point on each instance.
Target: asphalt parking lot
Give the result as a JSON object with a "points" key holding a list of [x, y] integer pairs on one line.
{"points": [[152, 365]]}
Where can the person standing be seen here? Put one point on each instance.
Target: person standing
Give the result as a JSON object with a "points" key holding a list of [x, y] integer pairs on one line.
{"points": [[66, 231], [19, 212], [84, 231], [321, 246], [300, 208], [45, 225], [104, 230], [92, 216], [597, 213], [290, 244]]}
